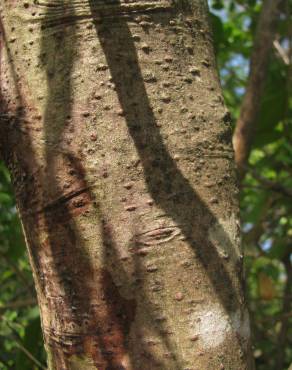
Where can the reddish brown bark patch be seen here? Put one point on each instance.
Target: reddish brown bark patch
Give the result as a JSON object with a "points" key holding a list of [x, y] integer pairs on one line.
{"points": [[114, 318], [121, 310], [109, 321]]}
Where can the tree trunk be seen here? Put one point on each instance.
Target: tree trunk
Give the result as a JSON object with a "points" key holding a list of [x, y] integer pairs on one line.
{"points": [[250, 108], [119, 146]]}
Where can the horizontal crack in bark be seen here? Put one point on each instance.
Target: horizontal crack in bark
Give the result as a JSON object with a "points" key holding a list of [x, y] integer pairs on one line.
{"points": [[59, 201]]}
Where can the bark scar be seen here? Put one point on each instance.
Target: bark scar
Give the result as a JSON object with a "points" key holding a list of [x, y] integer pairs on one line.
{"points": [[157, 236]]}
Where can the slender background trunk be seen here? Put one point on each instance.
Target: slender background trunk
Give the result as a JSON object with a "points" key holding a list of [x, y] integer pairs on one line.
{"points": [[249, 113], [119, 146]]}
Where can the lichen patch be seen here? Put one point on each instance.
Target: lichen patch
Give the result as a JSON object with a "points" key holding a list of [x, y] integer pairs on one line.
{"points": [[212, 326]]}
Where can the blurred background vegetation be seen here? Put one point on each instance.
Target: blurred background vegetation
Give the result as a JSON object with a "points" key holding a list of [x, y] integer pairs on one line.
{"points": [[266, 207]]}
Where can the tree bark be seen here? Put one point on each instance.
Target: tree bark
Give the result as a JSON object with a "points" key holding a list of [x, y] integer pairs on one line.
{"points": [[119, 146], [246, 123]]}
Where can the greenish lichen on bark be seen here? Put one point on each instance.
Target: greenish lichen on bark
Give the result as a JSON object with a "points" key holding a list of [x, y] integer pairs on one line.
{"points": [[127, 191]]}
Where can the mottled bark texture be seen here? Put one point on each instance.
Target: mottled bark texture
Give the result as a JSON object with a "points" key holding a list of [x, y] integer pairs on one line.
{"points": [[119, 146], [263, 43]]}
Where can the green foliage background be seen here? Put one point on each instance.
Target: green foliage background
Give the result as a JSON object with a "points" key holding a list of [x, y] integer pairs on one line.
{"points": [[266, 206]]}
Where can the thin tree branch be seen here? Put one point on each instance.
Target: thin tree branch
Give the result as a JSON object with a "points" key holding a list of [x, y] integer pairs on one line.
{"points": [[268, 184], [29, 355], [282, 53], [263, 44], [22, 348], [15, 268], [286, 312], [18, 304]]}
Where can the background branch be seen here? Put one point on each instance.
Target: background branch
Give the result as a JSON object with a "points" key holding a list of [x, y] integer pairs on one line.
{"points": [[263, 44]]}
